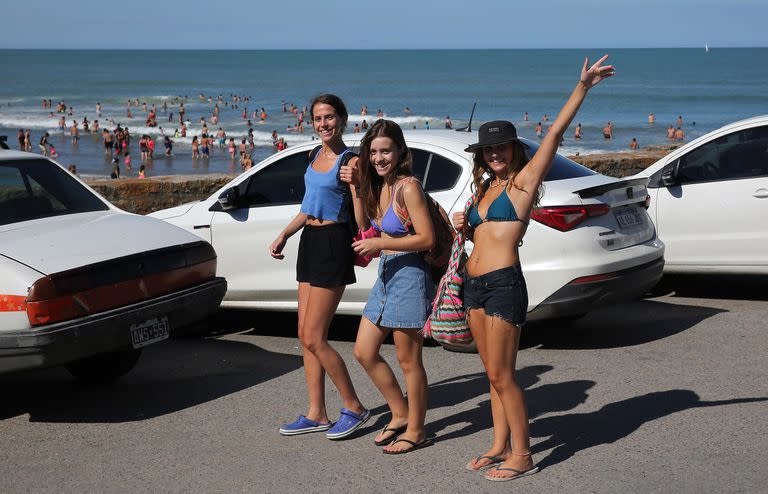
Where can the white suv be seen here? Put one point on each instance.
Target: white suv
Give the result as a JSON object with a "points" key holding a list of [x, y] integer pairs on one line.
{"points": [[591, 242]]}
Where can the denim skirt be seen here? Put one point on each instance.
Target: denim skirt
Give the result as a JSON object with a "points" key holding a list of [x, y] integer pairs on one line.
{"points": [[402, 296]]}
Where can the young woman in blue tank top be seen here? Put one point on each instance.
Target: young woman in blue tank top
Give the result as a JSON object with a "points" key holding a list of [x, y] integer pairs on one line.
{"points": [[325, 265], [495, 294], [400, 300]]}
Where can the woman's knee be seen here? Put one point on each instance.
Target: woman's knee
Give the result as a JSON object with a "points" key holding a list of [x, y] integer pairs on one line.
{"points": [[500, 377], [366, 356], [410, 361], [312, 341]]}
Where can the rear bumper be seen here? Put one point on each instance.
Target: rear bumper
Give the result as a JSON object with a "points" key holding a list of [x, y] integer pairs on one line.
{"points": [[573, 299], [107, 331]]}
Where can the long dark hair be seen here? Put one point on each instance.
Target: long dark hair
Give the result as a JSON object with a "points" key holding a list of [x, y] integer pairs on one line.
{"points": [[332, 100], [370, 181], [480, 168]]}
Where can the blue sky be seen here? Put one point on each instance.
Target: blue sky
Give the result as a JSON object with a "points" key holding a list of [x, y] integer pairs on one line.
{"points": [[303, 24]]}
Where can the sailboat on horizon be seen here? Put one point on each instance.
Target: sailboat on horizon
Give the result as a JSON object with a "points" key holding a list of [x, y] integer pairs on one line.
{"points": [[706, 47]]}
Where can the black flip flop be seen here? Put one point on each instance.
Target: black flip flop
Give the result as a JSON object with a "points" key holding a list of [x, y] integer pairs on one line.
{"points": [[422, 444], [397, 431]]}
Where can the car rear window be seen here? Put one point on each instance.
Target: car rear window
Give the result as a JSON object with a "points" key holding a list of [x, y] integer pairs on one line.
{"points": [[32, 189], [562, 167]]}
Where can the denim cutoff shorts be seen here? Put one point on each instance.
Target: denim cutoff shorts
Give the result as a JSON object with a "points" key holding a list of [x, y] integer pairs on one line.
{"points": [[501, 293], [402, 296]]}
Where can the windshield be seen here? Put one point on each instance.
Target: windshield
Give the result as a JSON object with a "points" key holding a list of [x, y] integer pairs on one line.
{"points": [[32, 189], [562, 167]]}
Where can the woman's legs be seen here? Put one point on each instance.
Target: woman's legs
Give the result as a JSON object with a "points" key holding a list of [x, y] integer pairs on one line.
{"points": [[408, 344], [503, 339], [367, 351], [501, 446], [313, 371], [313, 333]]}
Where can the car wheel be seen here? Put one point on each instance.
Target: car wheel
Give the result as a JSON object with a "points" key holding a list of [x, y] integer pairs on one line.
{"points": [[104, 368]]}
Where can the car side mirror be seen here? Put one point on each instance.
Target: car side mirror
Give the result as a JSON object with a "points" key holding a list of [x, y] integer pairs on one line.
{"points": [[233, 197], [669, 174]]}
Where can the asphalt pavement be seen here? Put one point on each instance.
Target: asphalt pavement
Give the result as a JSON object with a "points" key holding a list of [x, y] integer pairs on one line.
{"points": [[664, 394]]}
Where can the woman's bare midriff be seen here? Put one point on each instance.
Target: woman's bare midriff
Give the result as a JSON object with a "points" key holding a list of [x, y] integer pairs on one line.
{"points": [[495, 246], [316, 222]]}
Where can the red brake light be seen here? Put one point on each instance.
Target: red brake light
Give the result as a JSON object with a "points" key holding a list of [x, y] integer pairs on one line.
{"points": [[564, 218]]}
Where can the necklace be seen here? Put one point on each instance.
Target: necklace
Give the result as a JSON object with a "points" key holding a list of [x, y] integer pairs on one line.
{"points": [[500, 182]]}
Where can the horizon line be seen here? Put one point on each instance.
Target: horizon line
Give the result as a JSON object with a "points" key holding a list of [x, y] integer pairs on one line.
{"points": [[571, 48]]}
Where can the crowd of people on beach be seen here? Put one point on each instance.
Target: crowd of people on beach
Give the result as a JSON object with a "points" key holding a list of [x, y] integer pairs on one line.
{"points": [[239, 147], [376, 195]]}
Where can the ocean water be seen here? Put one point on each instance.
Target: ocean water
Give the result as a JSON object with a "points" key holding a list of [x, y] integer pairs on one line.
{"points": [[709, 89]]}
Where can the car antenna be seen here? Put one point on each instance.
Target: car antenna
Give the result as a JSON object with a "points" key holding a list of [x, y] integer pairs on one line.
{"points": [[468, 127]]}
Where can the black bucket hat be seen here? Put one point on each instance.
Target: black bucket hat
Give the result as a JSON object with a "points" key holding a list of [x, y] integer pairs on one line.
{"points": [[493, 133]]}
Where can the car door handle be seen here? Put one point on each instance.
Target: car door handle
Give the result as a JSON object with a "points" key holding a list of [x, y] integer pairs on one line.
{"points": [[761, 193]]}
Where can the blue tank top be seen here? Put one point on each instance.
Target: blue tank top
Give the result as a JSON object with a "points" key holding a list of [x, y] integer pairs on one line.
{"points": [[324, 193]]}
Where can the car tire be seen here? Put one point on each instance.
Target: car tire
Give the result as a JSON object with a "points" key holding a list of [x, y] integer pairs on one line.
{"points": [[104, 368]]}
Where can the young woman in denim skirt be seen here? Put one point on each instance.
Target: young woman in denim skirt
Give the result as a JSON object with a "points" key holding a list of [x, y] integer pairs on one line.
{"points": [[495, 293], [324, 267], [400, 300]]}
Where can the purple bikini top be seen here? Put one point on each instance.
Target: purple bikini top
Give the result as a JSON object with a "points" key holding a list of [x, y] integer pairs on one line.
{"points": [[390, 223]]}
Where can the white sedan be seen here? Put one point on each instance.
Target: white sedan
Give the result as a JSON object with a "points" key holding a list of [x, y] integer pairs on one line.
{"points": [[709, 200], [85, 284], [591, 242]]}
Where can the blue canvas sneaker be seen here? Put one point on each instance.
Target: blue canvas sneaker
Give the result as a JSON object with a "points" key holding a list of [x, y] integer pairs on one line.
{"points": [[348, 423], [303, 425]]}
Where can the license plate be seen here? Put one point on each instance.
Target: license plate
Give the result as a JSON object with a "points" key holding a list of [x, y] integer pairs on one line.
{"points": [[628, 217], [148, 332]]}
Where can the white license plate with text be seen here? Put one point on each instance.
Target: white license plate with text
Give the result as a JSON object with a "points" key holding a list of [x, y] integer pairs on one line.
{"points": [[148, 332], [628, 217]]}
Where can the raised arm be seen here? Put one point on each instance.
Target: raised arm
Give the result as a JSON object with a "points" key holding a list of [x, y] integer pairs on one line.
{"points": [[534, 172]]}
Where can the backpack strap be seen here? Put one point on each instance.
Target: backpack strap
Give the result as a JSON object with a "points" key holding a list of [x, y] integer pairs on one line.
{"points": [[313, 154], [347, 207], [398, 202]]}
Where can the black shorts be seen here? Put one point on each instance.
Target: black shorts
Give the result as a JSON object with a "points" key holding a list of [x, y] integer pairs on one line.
{"points": [[501, 293], [326, 258]]}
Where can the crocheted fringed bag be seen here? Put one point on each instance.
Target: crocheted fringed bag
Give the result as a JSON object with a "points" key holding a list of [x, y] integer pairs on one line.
{"points": [[448, 322]]}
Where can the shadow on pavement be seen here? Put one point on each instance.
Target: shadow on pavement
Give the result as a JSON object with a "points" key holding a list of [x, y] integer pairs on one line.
{"points": [[714, 286], [615, 326], [168, 377], [559, 397], [568, 434]]}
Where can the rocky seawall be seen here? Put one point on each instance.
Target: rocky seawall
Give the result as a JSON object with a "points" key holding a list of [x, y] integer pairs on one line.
{"points": [[144, 196]]}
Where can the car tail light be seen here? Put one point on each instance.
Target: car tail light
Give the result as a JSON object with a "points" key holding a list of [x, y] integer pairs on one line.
{"points": [[13, 303], [119, 282], [564, 218], [647, 202]]}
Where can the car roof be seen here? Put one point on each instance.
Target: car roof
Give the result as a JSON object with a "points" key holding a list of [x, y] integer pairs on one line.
{"points": [[8, 154], [756, 120]]}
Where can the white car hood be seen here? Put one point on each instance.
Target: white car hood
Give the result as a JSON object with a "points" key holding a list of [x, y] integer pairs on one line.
{"points": [[59, 243], [173, 212]]}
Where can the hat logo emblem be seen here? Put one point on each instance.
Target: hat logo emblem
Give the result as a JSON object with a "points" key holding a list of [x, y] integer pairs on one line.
{"points": [[493, 129]]}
